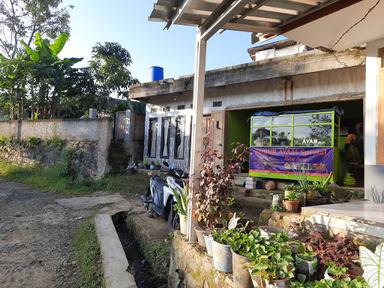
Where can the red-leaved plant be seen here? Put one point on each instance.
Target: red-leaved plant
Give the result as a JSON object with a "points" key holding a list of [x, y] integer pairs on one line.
{"points": [[214, 196], [339, 250]]}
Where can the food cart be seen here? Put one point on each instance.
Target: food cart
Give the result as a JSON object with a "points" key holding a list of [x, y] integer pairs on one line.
{"points": [[287, 145]]}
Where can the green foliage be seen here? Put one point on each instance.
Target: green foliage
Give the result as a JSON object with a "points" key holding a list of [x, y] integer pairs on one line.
{"points": [[21, 19], [294, 195], [55, 141], [337, 272], [87, 254], [53, 179], [33, 141], [322, 186], [272, 258], [5, 140], [182, 199], [109, 65], [349, 180], [355, 283]]}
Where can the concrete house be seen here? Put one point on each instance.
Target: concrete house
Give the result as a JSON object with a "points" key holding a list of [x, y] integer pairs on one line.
{"points": [[285, 76]]}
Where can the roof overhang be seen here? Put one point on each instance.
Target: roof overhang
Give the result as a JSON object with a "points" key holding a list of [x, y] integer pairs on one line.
{"points": [[316, 23]]}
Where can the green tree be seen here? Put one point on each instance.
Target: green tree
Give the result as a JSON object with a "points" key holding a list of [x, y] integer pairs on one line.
{"points": [[22, 19], [110, 64], [48, 74]]}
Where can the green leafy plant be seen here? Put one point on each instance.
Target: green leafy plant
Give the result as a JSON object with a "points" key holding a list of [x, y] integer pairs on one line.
{"points": [[33, 141], [146, 161], [322, 186], [335, 271], [324, 283], [373, 265], [294, 196], [272, 258], [182, 200], [4, 140]]}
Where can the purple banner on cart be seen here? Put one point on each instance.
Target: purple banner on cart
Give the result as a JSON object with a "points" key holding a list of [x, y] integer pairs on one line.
{"points": [[314, 161]]}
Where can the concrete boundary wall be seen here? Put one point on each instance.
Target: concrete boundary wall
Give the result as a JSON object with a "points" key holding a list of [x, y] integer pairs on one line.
{"points": [[95, 130]]}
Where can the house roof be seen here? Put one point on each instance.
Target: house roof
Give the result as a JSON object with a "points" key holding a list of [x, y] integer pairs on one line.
{"points": [[308, 62]]}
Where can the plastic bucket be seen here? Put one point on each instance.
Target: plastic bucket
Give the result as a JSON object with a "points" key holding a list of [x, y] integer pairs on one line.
{"points": [[222, 257]]}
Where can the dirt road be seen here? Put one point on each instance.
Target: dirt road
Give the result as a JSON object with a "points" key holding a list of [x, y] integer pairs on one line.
{"points": [[36, 233]]}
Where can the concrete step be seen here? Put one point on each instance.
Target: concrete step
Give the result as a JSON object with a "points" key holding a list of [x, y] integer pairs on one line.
{"points": [[242, 201]]}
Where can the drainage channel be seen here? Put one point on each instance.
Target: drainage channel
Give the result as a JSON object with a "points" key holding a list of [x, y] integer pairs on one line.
{"points": [[138, 265]]}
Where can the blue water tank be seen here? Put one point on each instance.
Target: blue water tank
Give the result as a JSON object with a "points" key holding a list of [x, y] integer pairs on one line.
{"points": [[157, 73]]}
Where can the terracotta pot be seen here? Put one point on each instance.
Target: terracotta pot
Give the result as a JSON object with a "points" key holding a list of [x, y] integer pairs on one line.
{"points": [[200, 236], [183, 224], [241, 276], [222, 257], [292, 206]]}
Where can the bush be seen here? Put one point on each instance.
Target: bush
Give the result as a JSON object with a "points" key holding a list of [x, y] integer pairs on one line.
{"points": [[33, 141], [4, 140], [55, 141]]}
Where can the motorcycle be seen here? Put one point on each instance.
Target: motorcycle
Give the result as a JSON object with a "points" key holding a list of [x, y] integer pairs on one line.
{"points": [[159, 198]]}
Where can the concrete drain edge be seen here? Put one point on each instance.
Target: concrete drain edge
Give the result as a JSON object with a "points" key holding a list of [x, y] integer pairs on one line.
{"points": [[114, 262]]}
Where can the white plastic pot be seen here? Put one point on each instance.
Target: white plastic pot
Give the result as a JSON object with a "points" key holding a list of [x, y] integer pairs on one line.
{"points": [[183, 224], [222, 257], [208, 243]]}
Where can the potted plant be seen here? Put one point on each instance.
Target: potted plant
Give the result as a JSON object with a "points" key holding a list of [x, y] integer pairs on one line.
{"points": [[157, 165], [181, 206], [146, 163], [242, 244], [335, 272], [292, 202], [306, 265], [291, 188], [152, 166], [214, 196], [221, 250], [272, 262]]}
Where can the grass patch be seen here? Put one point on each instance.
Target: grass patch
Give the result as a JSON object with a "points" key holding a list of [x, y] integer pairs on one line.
{"points": [[87, 255], [53, 179], [156, 252]]}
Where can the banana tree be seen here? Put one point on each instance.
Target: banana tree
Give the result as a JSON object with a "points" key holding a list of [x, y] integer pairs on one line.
{"points": [[48, 72]]}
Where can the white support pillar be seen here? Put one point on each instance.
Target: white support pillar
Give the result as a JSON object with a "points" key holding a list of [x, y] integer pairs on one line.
{"points": [[373, 122], [197, 129]]}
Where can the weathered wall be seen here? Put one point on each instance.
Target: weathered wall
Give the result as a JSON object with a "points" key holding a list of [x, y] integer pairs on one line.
{"points": [[196, 267], [325, 86], [129, 131], [90, 135]]}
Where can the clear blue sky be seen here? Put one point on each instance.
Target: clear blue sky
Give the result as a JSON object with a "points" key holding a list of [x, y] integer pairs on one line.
{"points": [[126, 22]]}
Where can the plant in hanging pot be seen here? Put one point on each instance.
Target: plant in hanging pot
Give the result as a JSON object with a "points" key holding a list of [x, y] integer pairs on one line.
{"points": [[292, 203], [181, 196]]}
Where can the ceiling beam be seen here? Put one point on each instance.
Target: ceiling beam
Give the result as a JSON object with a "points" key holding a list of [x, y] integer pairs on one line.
{"points": [[317, 13], [178, 13], [235, 7]]}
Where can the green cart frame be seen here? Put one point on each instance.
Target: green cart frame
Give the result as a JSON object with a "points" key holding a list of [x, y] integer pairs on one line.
{"points": [[305, 130]]}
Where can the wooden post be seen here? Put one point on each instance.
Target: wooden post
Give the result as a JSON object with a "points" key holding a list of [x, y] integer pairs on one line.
{"points": [[197, 129]]}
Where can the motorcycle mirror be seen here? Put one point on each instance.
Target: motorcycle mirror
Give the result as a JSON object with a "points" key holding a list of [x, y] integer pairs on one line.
{"points": [[165, 163]]}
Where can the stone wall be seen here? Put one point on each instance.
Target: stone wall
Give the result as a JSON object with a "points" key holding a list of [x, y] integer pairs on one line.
{"points": [[194, 266], [45, 142]]}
